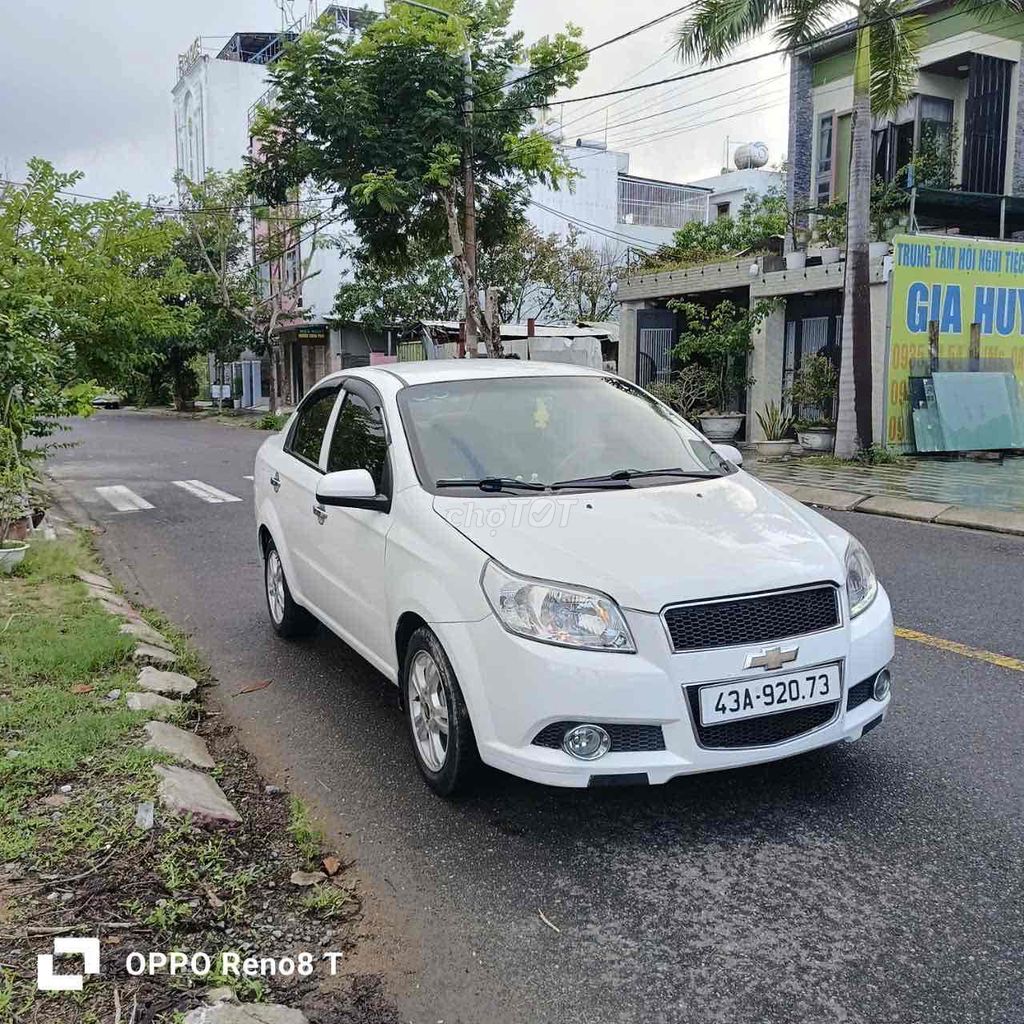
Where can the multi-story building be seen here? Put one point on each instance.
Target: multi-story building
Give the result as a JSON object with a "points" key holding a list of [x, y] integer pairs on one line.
{"points": [[966, 113], [216, 97], [612, 210], [967, 102]]}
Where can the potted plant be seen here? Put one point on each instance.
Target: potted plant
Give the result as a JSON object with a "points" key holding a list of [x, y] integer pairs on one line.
{"points": [[814, 392], [776, 425], [14, 501], [686, 391], [718, 340], [888, 205], [830, 228]]}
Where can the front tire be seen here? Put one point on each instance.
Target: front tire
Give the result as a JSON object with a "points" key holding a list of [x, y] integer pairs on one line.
{"points": [[287, 618], [435, 712]]}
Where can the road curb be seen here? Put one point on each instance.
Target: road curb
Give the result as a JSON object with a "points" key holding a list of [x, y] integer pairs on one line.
{"points": [[967, 516]]}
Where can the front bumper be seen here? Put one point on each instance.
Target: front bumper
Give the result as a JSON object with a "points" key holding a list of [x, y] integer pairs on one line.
{"points": [[515, 687]]}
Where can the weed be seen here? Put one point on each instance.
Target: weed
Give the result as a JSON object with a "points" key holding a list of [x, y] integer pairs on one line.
{"points": [[270, 421], [168, 914], [305, 834], [327, 902]]}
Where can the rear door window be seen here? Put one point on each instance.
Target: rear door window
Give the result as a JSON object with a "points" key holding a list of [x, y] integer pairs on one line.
{"points": [[307, 435]]}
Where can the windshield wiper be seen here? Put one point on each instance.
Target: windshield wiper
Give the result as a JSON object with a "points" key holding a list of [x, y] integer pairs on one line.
{"points": [[494, 483], [621, 477]]}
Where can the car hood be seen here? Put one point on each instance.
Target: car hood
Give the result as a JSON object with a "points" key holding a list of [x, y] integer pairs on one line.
{"points": [[652, 546]]}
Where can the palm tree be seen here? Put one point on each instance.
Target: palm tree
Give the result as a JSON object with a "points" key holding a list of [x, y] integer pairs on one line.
{"points": [[889, 36]]}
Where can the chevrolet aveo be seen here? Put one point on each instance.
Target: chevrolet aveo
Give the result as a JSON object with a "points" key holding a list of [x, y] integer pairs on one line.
{"points": [[565, 580]]}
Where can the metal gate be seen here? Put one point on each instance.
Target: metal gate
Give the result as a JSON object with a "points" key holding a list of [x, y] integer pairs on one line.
{"points": [[656, 337], [986, 112]]}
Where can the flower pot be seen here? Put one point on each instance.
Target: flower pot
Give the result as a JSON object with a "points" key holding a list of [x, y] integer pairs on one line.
{"points": [[796, 260], [772, 449], [723, 427], [876, 250], [11, 555], [816, 439], [829, 254]]}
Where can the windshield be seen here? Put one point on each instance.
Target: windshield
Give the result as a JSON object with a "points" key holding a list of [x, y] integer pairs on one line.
{"points": [[579, 431]]}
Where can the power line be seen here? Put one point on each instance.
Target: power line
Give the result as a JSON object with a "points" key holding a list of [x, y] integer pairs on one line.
{"points": [[739, 62], [586, 53]]}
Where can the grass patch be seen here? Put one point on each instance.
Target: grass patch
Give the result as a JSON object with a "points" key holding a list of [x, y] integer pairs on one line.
{"points": [[60, 654], [876, 455], [327, 902], [270, 421], [306, 836]]}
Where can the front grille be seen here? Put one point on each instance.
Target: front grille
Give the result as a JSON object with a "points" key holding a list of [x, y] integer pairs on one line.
{"points": [[624, 737], [859, 693], [752, 620], [762, 731]]}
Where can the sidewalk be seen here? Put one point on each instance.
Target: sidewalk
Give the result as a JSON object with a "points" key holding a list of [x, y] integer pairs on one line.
{"points": [[982, 495]]}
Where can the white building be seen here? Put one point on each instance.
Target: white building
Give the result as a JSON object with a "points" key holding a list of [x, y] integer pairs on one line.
{"points": [[215, 99], [613, 210], [728, 190]]}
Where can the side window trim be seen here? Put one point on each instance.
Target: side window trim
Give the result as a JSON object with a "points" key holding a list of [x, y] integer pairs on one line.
{"points": [[367, 393], [312, 397], [325, 441]]}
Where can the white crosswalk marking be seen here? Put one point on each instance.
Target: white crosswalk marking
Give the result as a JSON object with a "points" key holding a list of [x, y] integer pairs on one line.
{"points": [[123, 499], [205, 491]]}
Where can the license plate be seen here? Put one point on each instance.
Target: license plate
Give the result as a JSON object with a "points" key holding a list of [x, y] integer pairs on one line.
{"points": [[748, 698]]}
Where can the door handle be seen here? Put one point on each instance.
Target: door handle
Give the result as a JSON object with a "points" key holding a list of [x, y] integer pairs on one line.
{"points": [[275, 481], [321, 514]]}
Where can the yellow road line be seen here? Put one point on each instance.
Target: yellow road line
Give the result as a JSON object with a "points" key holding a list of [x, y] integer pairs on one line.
{"points": [[1002, 660]]}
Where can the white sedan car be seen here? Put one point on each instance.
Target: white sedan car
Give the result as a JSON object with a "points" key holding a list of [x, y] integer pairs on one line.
{"points": [[565, 580]]}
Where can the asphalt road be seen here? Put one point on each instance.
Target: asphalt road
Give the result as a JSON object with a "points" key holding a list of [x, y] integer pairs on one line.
{"points": [[880, 882]]}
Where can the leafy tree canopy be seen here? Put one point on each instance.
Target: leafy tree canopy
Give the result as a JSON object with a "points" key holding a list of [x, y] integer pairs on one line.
{"points": [[85, 292], [379, 121]]}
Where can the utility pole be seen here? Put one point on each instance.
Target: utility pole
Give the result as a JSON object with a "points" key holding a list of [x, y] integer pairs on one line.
{"points": [[473, 312], [469, 216]]}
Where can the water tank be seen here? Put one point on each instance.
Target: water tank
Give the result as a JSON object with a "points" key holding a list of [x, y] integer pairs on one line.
{"points": [[591, 144], [750, 155]]}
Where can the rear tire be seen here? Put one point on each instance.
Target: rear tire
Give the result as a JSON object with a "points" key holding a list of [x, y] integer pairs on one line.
{"points": [[286, 617], [435, 712]]}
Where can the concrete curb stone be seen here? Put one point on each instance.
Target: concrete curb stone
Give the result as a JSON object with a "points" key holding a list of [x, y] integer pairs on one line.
{"points": [[184, 791], [903, 508], [180, 744]]}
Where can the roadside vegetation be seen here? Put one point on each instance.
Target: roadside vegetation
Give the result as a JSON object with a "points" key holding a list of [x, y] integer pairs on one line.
{"points": [[75, 858]]}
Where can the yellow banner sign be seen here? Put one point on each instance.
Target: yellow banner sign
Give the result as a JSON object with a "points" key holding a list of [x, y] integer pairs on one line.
{"points": [[955, 282]]}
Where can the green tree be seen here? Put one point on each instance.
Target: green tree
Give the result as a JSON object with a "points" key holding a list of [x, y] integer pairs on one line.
{"points": [[387, 122], [256, 258], [84, 296], [889, 35], [382, 295], [717, 339]]}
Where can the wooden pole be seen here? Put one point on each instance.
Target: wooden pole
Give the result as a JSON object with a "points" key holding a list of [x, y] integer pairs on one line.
{"points": [[933, 344], [975, 349]]}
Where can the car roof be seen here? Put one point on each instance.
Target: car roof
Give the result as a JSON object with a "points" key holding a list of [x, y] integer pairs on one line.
{"points": [[435, 370]]}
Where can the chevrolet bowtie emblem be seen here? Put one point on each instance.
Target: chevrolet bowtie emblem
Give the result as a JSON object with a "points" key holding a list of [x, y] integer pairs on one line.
{"points": [[772, 658]]}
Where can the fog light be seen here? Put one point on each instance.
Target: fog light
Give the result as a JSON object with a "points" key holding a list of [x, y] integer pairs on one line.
{"points": [[587, 742], [883, 684]]}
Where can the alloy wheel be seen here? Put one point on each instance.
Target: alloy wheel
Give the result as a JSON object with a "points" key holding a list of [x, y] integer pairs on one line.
{"points": [[275, 585], [428, 708]]}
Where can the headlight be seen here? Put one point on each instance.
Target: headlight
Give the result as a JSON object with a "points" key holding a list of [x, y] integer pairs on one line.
{"points": [[861, 583], [555, 614]]}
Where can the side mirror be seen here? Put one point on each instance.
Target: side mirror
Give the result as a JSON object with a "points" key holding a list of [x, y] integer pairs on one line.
{"points": [[727, 451], [345, 486]]}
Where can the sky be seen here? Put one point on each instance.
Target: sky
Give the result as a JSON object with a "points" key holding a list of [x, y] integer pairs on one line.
{"points": [[87, 84]]}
